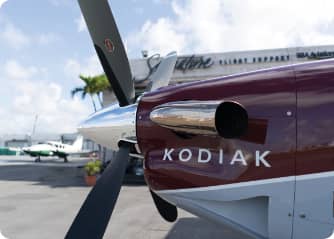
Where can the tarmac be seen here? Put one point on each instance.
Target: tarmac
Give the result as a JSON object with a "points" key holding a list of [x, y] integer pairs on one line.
{"points": [[40, 200]]}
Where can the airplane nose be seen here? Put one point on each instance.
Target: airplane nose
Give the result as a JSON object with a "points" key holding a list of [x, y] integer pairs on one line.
{"points": [[111, 125]]}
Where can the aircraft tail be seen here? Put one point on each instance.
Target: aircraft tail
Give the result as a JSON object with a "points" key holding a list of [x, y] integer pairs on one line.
{"points": [[77, 144]]}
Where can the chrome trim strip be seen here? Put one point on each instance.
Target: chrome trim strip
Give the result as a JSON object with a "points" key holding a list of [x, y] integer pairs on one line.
{"points": [[231, 185], [303, 177], [139, 156]]}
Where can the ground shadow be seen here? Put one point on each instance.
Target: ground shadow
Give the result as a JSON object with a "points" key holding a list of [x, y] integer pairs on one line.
{"points": [[53, 176], [44, 175], [198, 228]]}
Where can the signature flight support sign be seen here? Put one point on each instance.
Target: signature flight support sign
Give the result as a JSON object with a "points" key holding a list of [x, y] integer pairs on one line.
{"points": [[195, 62]]}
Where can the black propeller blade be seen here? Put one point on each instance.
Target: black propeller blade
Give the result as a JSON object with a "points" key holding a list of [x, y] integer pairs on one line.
{"points": [[109, 47], [166, 210], [93, 217], [100, 202]]}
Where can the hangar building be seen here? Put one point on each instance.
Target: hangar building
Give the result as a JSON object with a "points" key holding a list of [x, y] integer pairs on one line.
{"points": [[207, 66]]}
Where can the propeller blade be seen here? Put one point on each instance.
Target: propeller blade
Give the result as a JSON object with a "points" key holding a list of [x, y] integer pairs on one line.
{"points": [[164, 72], [166, 210], [93, 217], [109, 47]]}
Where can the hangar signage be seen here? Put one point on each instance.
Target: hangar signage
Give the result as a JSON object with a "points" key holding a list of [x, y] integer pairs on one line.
{"points": [[193, 62], [319, 55]]}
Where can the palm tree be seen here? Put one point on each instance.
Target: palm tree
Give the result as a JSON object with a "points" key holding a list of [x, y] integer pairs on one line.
{"points": [[101, 84], [94, 86]]}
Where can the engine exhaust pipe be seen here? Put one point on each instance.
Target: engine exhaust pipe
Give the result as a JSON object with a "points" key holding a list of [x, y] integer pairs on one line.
{"points": [[228, 119]]}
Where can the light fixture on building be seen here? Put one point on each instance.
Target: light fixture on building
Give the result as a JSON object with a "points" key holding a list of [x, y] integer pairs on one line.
{"points": [[144, 53]]}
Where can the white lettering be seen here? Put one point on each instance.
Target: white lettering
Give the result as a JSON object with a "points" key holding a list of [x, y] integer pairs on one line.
{"points": [[260, 158], [239, 157], [188, 153], [168, 155], [205, 156], [221, 156], [208, 153]]}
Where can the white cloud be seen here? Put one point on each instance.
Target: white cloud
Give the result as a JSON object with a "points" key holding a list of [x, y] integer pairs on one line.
{"points": [[227, 25], [17, 39], [33, 95], [14, 37], [47, 38], [15, 71], [88, 66], [2, 2], [56, 114], [160, 37], [81, 24]]}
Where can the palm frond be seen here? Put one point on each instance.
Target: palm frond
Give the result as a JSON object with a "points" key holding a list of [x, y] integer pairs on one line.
{"points": [[83, 95], [93, 86], [76, 90]]}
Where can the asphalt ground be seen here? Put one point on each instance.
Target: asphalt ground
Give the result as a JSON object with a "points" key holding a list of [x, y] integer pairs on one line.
{"points": [[40, 200]]}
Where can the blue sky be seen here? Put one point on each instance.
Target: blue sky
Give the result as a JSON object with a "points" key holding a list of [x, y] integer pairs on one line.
{"points": [[44, 45], [43, 49]]}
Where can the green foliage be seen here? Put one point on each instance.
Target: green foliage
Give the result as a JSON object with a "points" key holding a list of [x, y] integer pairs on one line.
{"points": [[94, 86], [93, 167]]}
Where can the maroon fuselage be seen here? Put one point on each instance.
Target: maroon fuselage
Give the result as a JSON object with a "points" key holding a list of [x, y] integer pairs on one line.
{"points": [[291, 112]]}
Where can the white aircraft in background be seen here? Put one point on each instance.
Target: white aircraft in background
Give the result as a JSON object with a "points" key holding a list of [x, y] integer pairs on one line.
{"points": [[54, 148]]}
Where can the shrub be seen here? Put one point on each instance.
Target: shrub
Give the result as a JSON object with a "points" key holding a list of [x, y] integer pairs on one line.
{"points": [[93, 167]]}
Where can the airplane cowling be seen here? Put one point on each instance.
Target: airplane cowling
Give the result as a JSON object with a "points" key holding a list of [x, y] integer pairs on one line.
{"points": [[174, 160]]}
